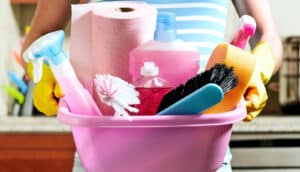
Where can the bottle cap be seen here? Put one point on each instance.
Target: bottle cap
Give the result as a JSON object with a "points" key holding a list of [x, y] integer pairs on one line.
{"points": [[149, 69], [165, 27]]}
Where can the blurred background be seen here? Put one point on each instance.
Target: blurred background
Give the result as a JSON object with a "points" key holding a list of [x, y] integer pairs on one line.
{"points": [[270, 143]]}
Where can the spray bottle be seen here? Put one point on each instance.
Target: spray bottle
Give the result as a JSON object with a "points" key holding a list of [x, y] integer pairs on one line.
{"points": [[245, 29], [48, 48]]}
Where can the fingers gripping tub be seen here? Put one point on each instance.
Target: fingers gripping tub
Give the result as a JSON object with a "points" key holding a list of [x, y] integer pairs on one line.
{"points": [[152, 143]]}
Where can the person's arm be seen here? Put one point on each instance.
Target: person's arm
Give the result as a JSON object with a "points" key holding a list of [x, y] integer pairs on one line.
{"points": [[50, 15], [260, 10]]}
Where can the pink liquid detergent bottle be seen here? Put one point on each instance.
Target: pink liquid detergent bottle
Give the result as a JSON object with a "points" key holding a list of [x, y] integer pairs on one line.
{"points": [[151, 89], [176, 60]]}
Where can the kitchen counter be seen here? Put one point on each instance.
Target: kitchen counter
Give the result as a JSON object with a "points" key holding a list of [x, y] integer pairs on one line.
{"points": [[268, 127], [269, 124], [32, 124], [263, 124]]}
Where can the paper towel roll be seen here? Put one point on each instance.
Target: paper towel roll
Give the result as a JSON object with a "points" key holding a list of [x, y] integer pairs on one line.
{"points": [[102, 36], [118, 27]]}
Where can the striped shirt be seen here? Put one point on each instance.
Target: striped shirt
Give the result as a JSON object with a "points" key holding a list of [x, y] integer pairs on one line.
{"points": [[200, 23]]}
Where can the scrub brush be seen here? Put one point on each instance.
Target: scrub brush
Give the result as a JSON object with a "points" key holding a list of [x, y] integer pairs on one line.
{"points": [[220, 75], [117, 93]]}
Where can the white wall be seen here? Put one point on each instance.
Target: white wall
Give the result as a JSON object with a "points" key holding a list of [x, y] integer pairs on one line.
{"points": [[286, 14], [9, 41]]}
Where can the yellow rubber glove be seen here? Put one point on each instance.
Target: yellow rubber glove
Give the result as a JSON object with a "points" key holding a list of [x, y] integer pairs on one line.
{"points": [[46, 92], [256, 95]]}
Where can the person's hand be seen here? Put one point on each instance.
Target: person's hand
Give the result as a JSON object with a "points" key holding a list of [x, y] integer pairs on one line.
{"points": [[46, 92], [256, 95]]}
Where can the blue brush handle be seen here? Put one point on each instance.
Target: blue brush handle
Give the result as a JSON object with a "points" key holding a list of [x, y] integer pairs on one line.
{"points": [[196, 102]]}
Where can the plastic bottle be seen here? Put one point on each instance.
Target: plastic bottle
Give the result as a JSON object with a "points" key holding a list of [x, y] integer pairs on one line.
{"points": [[176, 60], [151, 89], [49, 48]]}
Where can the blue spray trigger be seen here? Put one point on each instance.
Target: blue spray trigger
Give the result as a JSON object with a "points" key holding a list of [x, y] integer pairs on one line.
{"points": [[47, 48]]}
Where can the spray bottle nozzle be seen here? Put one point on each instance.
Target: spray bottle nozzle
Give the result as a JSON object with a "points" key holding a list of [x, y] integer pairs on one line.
{"points": [[48, 48], [247, 23]]}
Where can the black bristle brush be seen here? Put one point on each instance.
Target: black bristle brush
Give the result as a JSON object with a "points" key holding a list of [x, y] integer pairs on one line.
{"points": [[219, 74]]}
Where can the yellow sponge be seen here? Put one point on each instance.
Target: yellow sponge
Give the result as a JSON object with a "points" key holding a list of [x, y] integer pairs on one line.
{"points": [[243, 64]]}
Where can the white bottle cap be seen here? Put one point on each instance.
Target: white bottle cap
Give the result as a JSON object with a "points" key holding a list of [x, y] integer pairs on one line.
{"points": [[149, 69]]}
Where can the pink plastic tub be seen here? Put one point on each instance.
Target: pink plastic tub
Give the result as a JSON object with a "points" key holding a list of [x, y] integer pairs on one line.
{"points": [[152, 143]]}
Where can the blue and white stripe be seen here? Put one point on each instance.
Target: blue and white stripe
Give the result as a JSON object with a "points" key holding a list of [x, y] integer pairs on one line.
{"points": [[200, 23]]}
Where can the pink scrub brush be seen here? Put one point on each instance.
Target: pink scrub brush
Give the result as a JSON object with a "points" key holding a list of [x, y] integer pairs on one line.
{"points": [[246, 29]]}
